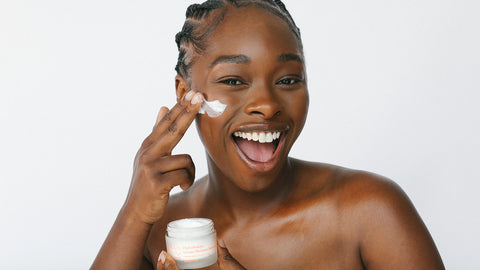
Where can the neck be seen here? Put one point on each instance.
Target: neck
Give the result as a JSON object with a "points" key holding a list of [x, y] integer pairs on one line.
{"points": [[244, 205]]}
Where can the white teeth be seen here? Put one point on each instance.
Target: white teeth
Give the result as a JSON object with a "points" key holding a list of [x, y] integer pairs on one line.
{"points": [[262, 137], [269, 137]]}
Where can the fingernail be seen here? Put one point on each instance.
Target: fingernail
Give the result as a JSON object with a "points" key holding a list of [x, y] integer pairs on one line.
{"points": [[197, 98], [189, 95], [162, 257], [221, 243]]}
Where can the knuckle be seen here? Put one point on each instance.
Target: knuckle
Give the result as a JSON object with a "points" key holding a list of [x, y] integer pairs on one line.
{"points": [[172, 128], [145, 169], [143, 158], [183, 103], [184, 174], [168, 116], [164, 194], [184, 178], [146, 142], [187, 159]]}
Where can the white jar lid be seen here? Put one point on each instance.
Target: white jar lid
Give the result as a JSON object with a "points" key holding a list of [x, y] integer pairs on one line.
{"points": [[190, 227]]}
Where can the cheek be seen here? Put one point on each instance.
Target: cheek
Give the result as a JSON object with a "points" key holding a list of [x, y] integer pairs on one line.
{"points": [[209, 130], [297, 109], [297, 105]]}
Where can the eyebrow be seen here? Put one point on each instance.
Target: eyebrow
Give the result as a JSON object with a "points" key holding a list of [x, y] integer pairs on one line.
{"points": [[243, 59], [290, 57], [236, 59]]}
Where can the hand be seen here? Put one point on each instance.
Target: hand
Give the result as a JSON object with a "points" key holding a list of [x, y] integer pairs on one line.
{"points": [[156, 171], [225, 260], [166, 262]]}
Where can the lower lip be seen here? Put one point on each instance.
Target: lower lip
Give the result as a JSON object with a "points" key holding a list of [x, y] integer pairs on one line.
{"points": [[262, 166]]}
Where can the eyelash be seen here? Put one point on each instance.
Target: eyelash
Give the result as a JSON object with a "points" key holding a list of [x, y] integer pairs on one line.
{"points": [[236, 82], [231, 82], [288, 81]]}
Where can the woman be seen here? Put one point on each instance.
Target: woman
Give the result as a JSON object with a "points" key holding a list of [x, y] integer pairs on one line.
{"points": [[270, 211]]}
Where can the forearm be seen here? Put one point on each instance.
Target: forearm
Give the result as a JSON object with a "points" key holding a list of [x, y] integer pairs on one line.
{"points": [[124, 246]]}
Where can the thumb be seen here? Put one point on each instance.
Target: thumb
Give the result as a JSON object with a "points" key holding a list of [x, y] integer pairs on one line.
{"points": [[166, 262], [225, 259]]}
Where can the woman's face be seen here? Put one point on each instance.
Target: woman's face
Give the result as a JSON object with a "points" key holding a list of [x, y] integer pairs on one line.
{"points": [[254, 64]]}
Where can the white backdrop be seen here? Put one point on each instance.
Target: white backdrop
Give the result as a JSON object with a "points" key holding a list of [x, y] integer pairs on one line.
{"points": [[394, 89]]}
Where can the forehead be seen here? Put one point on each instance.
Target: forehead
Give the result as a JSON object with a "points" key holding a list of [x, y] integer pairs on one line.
{"points": [[243, 30]]}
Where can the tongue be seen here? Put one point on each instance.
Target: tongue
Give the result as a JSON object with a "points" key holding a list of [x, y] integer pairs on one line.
{"points": [[261, 152]]}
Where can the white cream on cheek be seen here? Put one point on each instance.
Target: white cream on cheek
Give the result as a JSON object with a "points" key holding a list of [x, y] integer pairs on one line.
{"points": [[213, 108]]}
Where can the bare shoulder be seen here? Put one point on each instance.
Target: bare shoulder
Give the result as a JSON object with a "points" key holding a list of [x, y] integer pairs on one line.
{"points": [[376, 214], [353, 186]]}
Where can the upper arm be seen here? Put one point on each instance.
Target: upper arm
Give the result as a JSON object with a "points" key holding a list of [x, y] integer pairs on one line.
{"points": [[392, 234]]}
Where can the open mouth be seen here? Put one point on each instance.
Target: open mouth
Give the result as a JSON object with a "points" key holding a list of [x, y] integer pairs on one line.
{"points": [[258, 146]]}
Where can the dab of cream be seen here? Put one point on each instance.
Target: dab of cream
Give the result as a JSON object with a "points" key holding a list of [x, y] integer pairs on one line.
{"points": [[212, 108]]}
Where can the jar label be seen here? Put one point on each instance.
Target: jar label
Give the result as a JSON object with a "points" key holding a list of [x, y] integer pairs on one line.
{"points": [[191, 251]]}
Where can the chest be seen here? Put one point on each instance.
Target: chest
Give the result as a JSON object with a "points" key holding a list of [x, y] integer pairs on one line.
{"points": [[292, 243], [317, 237]]}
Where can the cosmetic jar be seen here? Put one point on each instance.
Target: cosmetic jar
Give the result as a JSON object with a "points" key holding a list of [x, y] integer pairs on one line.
{"points": [[192, 242]]}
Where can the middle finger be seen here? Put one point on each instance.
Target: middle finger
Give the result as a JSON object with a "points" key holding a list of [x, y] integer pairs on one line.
{"points": [[172, 134]]}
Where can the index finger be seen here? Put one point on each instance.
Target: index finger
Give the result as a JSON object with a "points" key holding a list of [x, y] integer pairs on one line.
{"points": [[174, 129], [165, 120], [165, 117]]}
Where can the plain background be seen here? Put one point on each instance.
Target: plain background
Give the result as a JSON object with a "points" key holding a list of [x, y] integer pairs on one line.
{"points": [[394, 89]]}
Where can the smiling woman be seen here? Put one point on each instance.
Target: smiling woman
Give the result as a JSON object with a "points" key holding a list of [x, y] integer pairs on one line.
{"points": [[270, 211]]}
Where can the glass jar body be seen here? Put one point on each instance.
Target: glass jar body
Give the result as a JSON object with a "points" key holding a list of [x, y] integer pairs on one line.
{"points": [[192, 242]]}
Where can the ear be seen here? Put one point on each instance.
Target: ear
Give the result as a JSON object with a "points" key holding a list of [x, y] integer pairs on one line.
{"points": [[181, 86]]}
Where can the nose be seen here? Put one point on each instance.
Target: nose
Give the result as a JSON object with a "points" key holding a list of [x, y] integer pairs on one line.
{"points": [[262, 101]]}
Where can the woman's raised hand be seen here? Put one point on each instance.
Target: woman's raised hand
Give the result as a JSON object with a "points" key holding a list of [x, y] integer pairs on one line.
{"points": [[156, 170]]}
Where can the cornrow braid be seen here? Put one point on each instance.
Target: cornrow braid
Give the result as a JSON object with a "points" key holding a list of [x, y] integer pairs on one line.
{"points": [[192, 38]]}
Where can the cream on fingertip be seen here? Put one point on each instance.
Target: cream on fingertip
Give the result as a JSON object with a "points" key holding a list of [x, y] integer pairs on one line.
{"points": [[197, 98], [189, 95]]}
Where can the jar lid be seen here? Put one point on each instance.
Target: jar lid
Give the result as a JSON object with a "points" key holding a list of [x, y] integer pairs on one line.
{"points": [[190, 227]]}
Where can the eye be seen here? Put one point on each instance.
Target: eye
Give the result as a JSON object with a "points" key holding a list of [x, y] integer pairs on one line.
{"points": [[231, 82], [288, 81]]}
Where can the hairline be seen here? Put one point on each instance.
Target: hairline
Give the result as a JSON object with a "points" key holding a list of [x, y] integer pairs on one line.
{"points": [[217, 20]]}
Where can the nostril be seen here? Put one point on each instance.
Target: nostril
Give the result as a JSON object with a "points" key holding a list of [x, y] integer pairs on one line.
{"points": [[263, 103], [266, 111]]}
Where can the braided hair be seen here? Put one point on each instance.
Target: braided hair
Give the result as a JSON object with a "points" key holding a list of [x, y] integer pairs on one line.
{"points": [[203, 19]]}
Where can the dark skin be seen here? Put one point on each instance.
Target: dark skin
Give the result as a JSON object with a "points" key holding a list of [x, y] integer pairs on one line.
{"points": [[280, 214]]}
